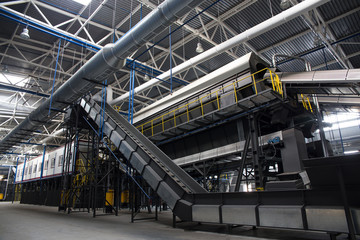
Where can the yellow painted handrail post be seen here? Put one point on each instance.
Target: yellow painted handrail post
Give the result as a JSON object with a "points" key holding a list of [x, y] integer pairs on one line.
{"points": [[235, 93], [272, 79], [187, 112], [304, 102], [162, 122], [142, 129], [309, 104], [217, 99], [253, 77], [279, 85], [174, 119], [152, 128], [202, 109]]}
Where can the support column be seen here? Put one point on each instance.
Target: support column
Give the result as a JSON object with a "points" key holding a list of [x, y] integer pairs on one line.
{"points": [[321, 127], [14, 186], [7, 183], [243, 161], [259, 183]]}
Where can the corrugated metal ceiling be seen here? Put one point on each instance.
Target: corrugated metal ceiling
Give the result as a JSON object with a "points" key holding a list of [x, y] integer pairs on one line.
{"points": [[293, 37]]}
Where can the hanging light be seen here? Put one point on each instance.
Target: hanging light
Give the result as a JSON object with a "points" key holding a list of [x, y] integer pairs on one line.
{"points": [[146, 78], [317, 41], [199, 47], [5, 69], [83, 2], [25, 34], [285, 4]]}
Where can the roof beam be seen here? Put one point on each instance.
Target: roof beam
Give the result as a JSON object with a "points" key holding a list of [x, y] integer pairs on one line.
{"points": [[308, 31], [217, 21]]}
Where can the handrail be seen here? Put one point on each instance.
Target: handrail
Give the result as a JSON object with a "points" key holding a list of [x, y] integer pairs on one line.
{"points": [[306, 102], [172, 116]]}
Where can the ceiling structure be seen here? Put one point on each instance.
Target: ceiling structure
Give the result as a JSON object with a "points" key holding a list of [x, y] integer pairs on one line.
{"points": [[65, 34]]}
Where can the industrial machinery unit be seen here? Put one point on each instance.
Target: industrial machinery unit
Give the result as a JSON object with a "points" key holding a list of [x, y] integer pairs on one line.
{"points": [[297, 209], [271, 154], [244, 124]]}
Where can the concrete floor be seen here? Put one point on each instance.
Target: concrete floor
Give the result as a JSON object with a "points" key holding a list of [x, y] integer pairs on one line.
{"points": [[20, 221]]}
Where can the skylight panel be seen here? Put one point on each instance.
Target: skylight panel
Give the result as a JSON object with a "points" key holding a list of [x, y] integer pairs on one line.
{"points": [[83, 2]]}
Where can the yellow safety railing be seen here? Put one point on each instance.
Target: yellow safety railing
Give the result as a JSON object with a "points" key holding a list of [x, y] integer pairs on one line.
{"points": [[117, 108], [306, 102], [214, 98]]}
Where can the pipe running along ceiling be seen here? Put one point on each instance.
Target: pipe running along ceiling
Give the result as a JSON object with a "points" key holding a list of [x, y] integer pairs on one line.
{"points": [[100, 67], [251, 33]]}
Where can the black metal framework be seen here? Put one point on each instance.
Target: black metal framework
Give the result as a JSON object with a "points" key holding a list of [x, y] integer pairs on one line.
{"points": [[140, 201], [90, 175]]}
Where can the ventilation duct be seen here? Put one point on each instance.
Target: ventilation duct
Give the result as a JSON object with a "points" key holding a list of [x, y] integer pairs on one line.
{"points": [[101, 66], [255, 31]]}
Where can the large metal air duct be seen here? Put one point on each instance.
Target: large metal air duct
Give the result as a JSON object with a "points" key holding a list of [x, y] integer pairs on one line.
{"points": [[255, 31], [101, 66]]}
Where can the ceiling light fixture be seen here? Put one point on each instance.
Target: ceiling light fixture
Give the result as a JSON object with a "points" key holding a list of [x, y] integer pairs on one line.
{"points": [[5, 69], [83, 2], [285, 4], [317, 41], [199, 47], [146, 78], [25, 33]]}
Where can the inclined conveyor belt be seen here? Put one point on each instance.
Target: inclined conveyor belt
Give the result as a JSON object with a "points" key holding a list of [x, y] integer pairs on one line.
{"points": [[160, 172], [323, 208]]}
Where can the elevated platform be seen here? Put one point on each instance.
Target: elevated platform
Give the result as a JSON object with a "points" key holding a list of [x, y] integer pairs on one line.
{"points": [[210, 112]]}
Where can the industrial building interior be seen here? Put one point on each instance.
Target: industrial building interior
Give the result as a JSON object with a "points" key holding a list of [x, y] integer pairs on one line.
{"points": [[180, 119]]}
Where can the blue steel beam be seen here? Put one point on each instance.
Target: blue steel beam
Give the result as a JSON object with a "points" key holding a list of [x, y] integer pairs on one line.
{"points": [[145, 69], [20, 89], [39, 27], [103, 64]]}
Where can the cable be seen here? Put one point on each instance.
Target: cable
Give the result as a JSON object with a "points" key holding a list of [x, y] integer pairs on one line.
{"points": [[52, 90]]}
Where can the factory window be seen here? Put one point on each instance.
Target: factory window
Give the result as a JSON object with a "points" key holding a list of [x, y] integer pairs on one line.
{"points": [[61, 160], [26, 171], [52, 163], [40, 165], [35, 168], [46, 165], [30, 169]]}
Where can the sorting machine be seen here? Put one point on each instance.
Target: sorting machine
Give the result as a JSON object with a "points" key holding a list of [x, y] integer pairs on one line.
{"points": [[329, 203]]}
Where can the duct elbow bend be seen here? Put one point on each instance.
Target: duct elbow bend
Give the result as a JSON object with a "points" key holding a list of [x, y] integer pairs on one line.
{"points": [[113, 61]]}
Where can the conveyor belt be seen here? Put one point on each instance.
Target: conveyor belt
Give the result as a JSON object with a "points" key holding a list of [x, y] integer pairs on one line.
{"points": [[160, 172], [298, 209]]}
